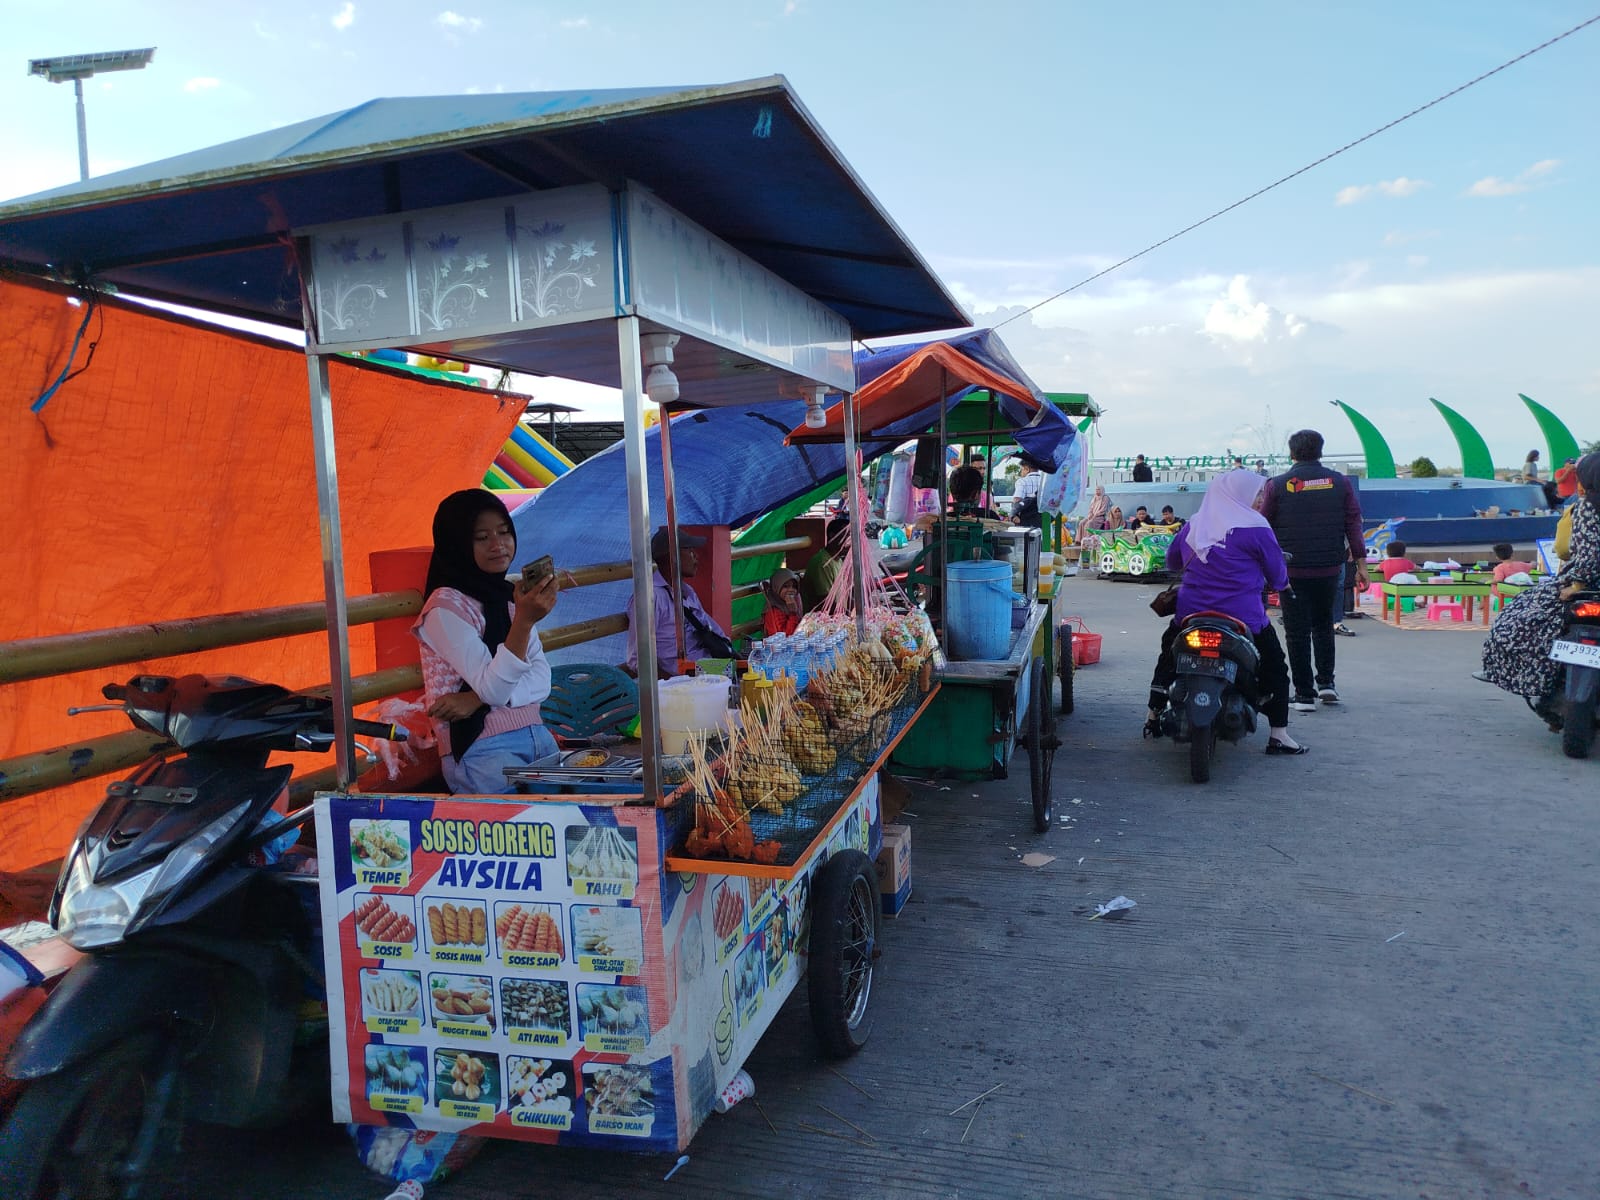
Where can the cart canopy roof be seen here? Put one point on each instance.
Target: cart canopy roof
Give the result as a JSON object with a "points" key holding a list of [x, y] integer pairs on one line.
{"points": [[745, 160], [901, 387]]}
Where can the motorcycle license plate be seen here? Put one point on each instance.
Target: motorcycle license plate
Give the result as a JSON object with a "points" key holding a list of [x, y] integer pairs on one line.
{"points": [[1579, 654], [1194, 664]]}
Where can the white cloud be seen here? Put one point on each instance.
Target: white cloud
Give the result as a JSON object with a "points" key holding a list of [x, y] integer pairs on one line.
{"points": [[202, 83], [1416, 260], [1398, 188], [455, 22], [575, 23], [1239, 317], [262, 32], [1493, 185], [1257, 356], [345, 17]]}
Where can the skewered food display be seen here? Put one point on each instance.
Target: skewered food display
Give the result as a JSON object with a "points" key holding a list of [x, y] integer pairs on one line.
{"points": [[602, 852], [528, 930], [535, 1004], [613, 1011], [618, 1091], [728, 913], [395, 1071], [530, 1083], [458, 924], [381, 923], [376, 844]]}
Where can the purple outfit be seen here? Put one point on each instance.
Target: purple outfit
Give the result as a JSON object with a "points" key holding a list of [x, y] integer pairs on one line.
{"points": [[1233, 576], [667, 628]]}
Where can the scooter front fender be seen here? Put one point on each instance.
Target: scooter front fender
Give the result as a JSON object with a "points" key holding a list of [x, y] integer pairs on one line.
{"points": [[1204, 702], [103, 1000]]}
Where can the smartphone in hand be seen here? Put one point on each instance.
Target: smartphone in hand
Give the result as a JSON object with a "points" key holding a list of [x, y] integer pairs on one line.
{"points": [[538, 571]]}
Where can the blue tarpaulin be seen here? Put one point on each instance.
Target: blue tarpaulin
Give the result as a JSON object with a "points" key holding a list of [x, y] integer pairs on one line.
{"points": [[731, 465]]}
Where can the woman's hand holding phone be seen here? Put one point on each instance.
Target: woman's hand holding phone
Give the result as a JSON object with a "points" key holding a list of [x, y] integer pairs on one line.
{"points": [[534, 600]]}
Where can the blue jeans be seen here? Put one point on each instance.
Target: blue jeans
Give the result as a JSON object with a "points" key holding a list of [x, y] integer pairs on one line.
{"points": [[481, 771]]}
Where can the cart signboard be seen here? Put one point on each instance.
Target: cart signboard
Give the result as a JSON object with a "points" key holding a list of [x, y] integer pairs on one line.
{"points": [[528, 969]]}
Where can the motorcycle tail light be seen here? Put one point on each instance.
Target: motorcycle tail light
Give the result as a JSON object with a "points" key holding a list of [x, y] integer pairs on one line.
{"points": [[1588, 608], [1203, 639]]}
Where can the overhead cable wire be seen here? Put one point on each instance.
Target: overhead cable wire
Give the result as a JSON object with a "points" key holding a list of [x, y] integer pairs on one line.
{"points": [[1310, 165]]}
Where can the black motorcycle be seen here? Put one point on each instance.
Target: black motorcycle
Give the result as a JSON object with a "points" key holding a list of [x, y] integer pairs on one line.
{"points": [[190, 1003], [1213, 695], [1578, 651]]}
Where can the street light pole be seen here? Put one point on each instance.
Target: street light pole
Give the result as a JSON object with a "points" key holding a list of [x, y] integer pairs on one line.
{"points": [[83, 131], [78, 67]]}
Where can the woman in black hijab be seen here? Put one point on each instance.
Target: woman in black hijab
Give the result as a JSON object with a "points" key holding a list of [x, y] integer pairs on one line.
{"points": [[1516, 654], [484, 672]]}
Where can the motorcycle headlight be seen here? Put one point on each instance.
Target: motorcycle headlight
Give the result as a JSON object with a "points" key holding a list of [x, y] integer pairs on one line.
{"points": [[96, 914]]}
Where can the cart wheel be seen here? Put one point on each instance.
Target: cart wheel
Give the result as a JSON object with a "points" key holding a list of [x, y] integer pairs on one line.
{"points": [[1108, 563], [1042, 743], [844, 941], [1064, 670], [1136, 565]]}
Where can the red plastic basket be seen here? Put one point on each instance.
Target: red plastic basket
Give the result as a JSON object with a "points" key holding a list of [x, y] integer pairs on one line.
{"points": [[1085, 644]]}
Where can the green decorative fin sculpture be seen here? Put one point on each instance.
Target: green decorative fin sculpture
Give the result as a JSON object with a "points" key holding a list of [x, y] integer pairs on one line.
{"points": [[1556, 435], [1476, 462], [1380, 461]]}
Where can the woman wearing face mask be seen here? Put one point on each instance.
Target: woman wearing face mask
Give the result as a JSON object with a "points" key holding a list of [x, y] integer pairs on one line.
{"points": [[484, 671]]}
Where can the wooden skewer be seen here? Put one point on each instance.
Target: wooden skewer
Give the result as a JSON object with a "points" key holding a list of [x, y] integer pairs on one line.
{"points": [[848, 1122], [852, 1083]]}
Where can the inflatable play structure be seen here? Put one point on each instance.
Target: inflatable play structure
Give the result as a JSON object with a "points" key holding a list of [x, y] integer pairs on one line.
{"points": [[526, 463]]}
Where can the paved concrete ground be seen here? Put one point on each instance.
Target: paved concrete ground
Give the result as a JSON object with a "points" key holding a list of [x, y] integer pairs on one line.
{"points": [[1368, 972]]}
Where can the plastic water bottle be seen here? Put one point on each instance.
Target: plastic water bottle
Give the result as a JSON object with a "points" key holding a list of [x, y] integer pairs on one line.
{"points": [[758, 657], [775, 655], [800, 661]]}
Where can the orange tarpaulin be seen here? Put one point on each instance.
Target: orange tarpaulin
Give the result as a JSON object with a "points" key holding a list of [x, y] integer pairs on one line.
{"points": [[174, 478], [921, 381]]}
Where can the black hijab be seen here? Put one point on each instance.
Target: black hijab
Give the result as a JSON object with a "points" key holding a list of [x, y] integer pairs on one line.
{"points": [[453, 566], [1588, 470]]}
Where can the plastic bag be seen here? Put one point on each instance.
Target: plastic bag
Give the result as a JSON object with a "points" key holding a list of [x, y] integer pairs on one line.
{"points": [[411, 714], [897, 500], [419, 1154]]}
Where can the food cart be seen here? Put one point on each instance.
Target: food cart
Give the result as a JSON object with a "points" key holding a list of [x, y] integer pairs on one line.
{"points": [[594, 969], [556, 967], [990, 705]]}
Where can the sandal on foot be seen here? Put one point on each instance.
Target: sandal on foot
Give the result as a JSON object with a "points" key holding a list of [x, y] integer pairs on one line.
{"points": [[1284, 748]]}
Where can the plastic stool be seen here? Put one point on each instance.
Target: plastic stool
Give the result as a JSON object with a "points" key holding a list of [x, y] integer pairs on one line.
{"points": [[1452, 608]]}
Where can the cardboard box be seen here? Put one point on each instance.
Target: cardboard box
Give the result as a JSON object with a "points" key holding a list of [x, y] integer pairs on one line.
{"points": [[892, 904], [894, 868]]}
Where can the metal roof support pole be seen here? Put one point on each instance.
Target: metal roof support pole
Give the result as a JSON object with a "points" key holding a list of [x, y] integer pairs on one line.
{"points": [[631, 362], [944, 507], [669, 486], [852, 495], [332, 566]]}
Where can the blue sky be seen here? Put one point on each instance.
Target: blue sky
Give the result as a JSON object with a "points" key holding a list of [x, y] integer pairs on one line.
{"points": [[1025, 145]]}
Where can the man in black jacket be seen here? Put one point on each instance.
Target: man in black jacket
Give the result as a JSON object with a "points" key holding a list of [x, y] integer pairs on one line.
{"points": [[1141, 470], [1316, 515]]}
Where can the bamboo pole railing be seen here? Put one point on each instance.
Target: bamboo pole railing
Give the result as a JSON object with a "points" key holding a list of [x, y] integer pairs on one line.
{"points": [[37, 658]]}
